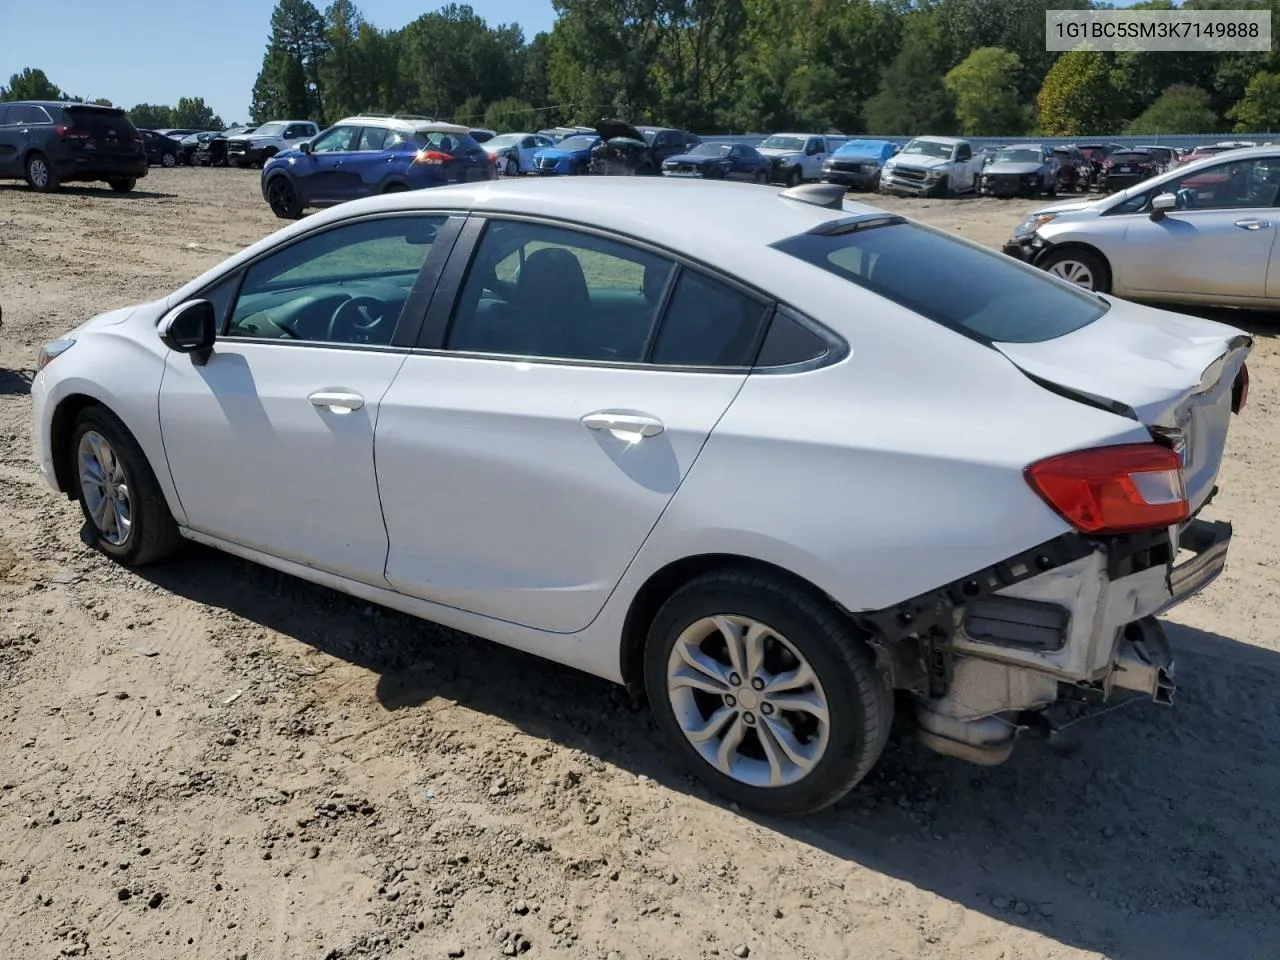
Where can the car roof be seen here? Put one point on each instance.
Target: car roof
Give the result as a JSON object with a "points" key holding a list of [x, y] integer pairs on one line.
{"points": [[403, 123], [726, 225]]}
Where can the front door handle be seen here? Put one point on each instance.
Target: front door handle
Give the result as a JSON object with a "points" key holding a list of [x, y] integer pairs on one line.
{"points": [[624, 426], [1253, 224], [337, 401]]}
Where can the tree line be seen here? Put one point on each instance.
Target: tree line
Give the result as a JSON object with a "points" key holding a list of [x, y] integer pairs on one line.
{"points": [[974, 67], [191, 112]]}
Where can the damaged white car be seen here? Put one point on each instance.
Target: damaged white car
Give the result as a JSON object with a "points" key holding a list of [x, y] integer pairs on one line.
{"points": [[767, 456]]}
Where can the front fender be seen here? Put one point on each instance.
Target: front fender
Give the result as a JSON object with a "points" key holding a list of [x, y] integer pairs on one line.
{"points": [[120, 370]]}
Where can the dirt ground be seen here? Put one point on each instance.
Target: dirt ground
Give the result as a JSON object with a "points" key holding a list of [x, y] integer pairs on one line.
{"points": [[211, 760]]}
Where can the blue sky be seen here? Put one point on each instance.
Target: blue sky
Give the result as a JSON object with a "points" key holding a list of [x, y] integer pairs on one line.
{"points": [[153, 51]]}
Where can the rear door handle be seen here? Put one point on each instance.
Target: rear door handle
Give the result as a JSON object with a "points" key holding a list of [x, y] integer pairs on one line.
{"points": [[337, 401], [624, 426], [1253, 224]]}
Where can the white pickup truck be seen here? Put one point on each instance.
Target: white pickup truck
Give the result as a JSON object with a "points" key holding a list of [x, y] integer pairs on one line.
{"points": [[796, 157], [256, 148], [932, 167]]}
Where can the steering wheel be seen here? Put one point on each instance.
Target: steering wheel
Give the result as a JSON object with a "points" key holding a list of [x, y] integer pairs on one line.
{"points": [[356, 320]]}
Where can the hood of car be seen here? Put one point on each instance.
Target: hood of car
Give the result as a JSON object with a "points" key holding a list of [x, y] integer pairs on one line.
{"points": [[1008, 167], [557, 153], [696, 160], [779, 152], [611, 129], [919, 160]]}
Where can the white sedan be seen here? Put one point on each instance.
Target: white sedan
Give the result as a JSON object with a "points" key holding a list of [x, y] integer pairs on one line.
{"points": [[515, 151], [766, 456]]}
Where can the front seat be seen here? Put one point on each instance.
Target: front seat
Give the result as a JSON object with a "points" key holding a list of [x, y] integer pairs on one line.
{"points": [[551, 308]]}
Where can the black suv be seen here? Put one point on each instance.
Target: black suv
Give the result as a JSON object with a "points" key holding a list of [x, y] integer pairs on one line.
{"points": [[49, 142]]}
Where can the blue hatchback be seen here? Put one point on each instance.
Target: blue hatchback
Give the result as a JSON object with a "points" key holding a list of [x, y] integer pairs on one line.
{"points": [[363, 156], [570, 156]]}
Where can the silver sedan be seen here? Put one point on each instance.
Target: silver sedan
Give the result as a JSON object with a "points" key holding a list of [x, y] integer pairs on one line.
{"points": [[1203, 233]]}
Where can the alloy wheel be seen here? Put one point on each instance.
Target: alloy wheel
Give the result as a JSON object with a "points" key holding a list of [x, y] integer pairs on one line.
{"points": [[39, 170], [105, 488], [748, 701], [1073, 271]]}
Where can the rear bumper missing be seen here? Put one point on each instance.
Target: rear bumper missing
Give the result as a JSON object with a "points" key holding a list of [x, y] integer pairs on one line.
{"points": [[1078, 611]]}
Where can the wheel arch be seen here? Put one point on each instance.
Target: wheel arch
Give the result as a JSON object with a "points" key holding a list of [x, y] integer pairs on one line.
{"points": [[663, 583], [1070, 245], [60, 427]]}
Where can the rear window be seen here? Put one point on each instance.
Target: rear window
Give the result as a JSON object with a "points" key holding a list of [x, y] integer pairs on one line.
{"points": [[447, 142], [99, 120], [964, 287]]}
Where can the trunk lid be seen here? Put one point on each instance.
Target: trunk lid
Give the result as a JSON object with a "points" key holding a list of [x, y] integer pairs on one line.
{"points": [[1174, 372], [104, 131]]}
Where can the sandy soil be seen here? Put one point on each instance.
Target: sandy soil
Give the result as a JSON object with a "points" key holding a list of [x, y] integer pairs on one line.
{"points": [[210, 760]]}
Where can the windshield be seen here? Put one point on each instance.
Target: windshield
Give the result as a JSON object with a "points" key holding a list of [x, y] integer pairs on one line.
{"points": [[577, 143], [927, 148], [711, 150], [783, 143], [970, 289], [1018, 155], [506, 140], [273, 129], [862, 148]]}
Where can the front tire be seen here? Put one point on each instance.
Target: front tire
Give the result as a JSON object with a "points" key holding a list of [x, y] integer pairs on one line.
{"points": [[1078, 266], [40, 175], [793, 177], [283, 198], [126, 516], [122, 184], [768, 695], [168, 160]]}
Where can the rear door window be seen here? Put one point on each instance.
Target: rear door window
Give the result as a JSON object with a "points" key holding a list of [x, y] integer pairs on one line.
{"points": [[372, 138], [28, 113], [708, 324], [959, 285]]}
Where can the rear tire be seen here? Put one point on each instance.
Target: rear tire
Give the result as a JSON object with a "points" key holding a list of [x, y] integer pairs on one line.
{"points": [[40, 175], [138, 528], [122, 184], [838, 706]]}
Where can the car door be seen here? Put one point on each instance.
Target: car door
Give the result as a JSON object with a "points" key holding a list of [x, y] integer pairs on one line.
{"points": [[326, 179], [10, 152], [369, 164], [270, 442], [1218, 243], [739, 166], [527, 450]]}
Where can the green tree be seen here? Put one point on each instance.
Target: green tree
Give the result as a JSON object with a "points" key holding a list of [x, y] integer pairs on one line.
{"points": [[470, 111], [148, 116], [343, 72], [288, 86], [912, 97], [194, 113], [511, 114], [1182, 108], [1259, 109], [1077, 97], [535, 71], [31, 84], [985, 88]]}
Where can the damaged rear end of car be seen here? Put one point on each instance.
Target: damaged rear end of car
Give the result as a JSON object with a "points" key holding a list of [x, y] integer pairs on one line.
{"points": [[990, 649]]}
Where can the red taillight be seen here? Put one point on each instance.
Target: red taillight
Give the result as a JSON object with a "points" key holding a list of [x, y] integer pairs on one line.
{"points": [[433, 157], [71, 133], [1240, 390], [1120, 489]]}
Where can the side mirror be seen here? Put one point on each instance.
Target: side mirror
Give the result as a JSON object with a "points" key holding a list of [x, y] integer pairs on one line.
{"points": [[191, 328], [1162, 203], [305, 146]]}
